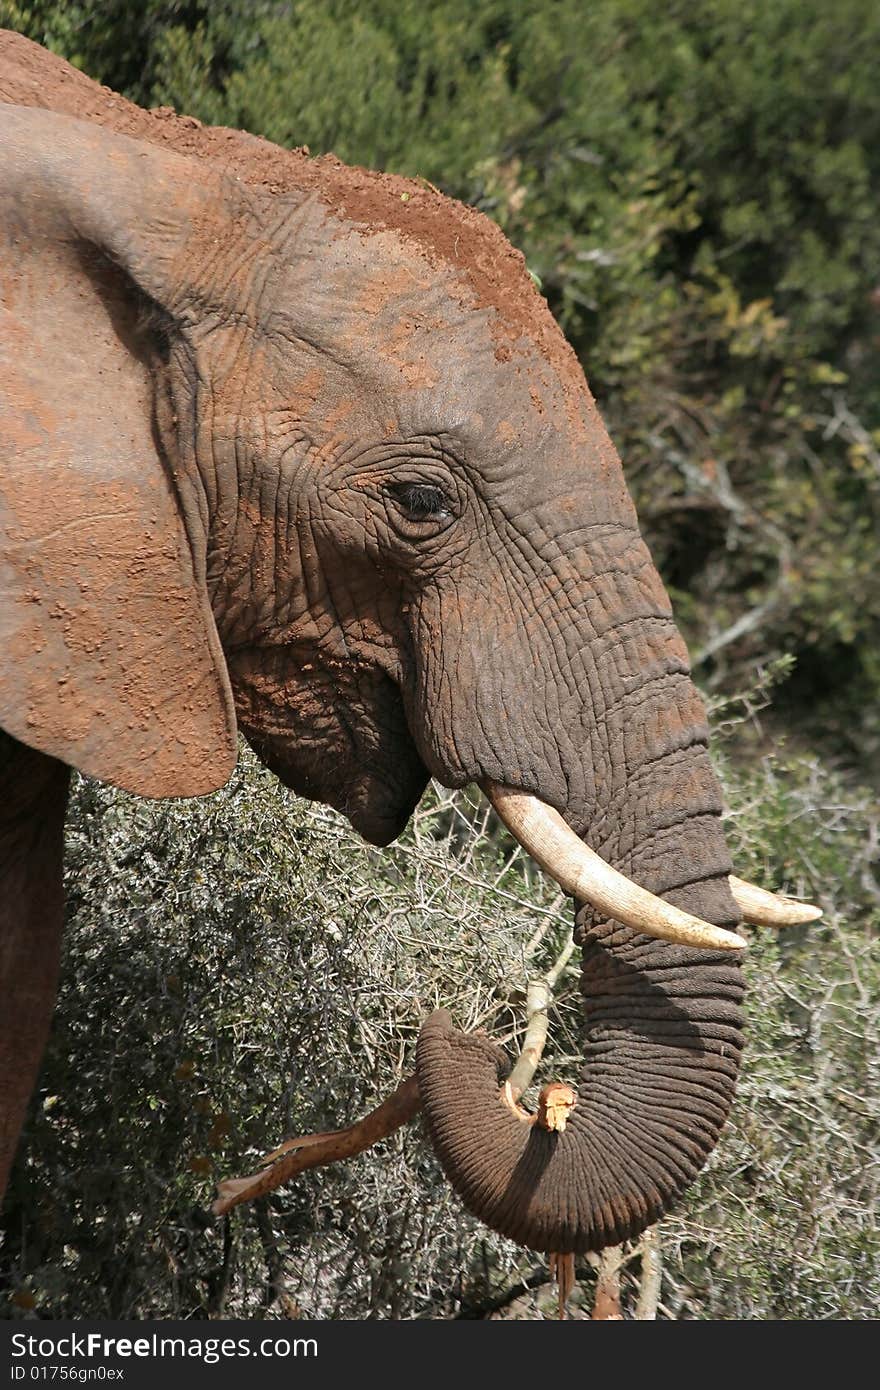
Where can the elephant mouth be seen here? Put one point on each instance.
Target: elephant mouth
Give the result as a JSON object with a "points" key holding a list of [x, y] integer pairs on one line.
{"points": [[376, 800], [379, 808], [362, 759]]}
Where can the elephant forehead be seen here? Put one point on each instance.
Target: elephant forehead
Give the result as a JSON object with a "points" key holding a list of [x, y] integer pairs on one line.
{"points": [[373, 281], [417, 339], [397, 221], [446, 232], [355, 288], [438, 243]]}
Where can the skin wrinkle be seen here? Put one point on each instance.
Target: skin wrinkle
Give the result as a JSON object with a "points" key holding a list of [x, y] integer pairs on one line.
{"points": [[565, 755], [645, 696], [601, 719], [655, 867], [672, 1039], [186, 391], [576, 583], [679, 771], [647, 818], [623, 844], [689, 738], [243, 557], [623, 1143], [534, 611], [596, 691], [203, 481]]}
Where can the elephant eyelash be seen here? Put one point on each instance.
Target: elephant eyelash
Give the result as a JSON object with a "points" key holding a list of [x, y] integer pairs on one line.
{"points": [[421, 501]]}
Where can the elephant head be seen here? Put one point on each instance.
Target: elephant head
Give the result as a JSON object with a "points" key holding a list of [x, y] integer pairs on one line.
{"points": [[299, 449]]}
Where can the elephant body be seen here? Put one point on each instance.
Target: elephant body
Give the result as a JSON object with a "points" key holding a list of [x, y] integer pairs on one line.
{"points": [[298, 449]]}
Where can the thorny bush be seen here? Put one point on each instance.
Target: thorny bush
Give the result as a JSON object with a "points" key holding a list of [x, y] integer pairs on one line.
{"points": [[242, 967]]}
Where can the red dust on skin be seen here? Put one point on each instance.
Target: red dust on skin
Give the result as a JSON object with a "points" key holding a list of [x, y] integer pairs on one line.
{"points": [[100, 616], [446, 232]]}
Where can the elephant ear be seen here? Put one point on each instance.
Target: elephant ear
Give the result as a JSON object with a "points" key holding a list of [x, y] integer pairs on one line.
{"points": [[109, 657]]}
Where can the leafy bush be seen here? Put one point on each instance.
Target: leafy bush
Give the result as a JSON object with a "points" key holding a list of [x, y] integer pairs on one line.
{"points": [[237, 968]]}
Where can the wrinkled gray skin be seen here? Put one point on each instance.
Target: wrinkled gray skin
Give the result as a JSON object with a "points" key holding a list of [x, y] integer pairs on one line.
{"points": [[399, 513]]}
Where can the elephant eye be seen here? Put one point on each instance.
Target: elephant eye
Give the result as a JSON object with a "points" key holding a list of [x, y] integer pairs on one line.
{"points": [[421, 501]]}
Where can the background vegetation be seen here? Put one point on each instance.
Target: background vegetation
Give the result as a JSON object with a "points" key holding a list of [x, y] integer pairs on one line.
{"points": [[695, 185]]}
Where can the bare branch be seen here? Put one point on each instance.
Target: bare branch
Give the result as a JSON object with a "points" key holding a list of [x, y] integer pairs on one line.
{"points": [[652, 1276], [315, 1150]]}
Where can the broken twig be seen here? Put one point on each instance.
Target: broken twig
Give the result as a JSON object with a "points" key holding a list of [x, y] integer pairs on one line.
{"points": [[315, 1150]]}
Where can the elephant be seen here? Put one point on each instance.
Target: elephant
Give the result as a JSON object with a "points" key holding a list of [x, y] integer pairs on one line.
{"points": [[297, 450]]}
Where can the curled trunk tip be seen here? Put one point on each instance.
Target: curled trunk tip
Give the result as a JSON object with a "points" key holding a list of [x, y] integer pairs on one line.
{"points": [[661, 1058]]}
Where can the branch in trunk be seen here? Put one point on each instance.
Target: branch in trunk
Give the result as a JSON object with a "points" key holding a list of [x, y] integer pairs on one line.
{"points": [[651, 1276], [298, 1155], [606, 1304], [317, 1150]]}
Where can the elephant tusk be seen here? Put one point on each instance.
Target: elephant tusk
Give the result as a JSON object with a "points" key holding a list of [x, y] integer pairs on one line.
{"points": [[581, 872], [763, 909]]}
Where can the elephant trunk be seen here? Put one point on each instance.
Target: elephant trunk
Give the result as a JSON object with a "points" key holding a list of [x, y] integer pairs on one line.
{"points": [[661, 1047]]}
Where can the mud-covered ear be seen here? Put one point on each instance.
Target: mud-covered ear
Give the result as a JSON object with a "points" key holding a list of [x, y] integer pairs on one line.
{"points": [[109, 657]]}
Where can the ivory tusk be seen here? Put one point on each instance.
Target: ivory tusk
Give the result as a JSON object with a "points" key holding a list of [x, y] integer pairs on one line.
{"points": [[763, 909], [581, 872]]}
